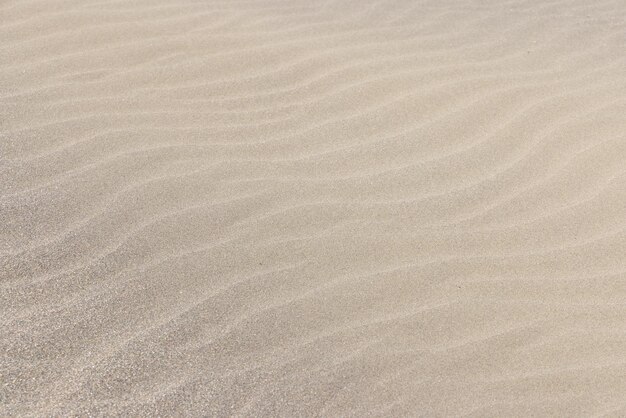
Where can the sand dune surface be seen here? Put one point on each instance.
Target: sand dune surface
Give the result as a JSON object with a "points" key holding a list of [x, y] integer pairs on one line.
{"points": [[313, 208]]}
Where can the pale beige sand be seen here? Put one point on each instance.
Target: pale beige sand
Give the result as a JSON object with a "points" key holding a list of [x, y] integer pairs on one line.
{"points": [[340, 208]]}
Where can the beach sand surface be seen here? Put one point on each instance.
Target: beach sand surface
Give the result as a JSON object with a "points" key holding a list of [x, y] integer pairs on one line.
{"points": [[313, 208]]}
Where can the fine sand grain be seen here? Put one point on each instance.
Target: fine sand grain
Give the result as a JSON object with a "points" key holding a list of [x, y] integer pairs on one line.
{"points": [[313, 208]]}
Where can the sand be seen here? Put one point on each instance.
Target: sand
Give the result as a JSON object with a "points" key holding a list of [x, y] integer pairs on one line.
{"points": [[308, 208]]}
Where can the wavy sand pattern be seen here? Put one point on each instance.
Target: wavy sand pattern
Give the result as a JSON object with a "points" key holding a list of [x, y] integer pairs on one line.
{"points": [[340, 208]]}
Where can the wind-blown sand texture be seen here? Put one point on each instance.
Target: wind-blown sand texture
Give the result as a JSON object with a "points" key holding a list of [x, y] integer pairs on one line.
{"points": [[287, 208]]}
